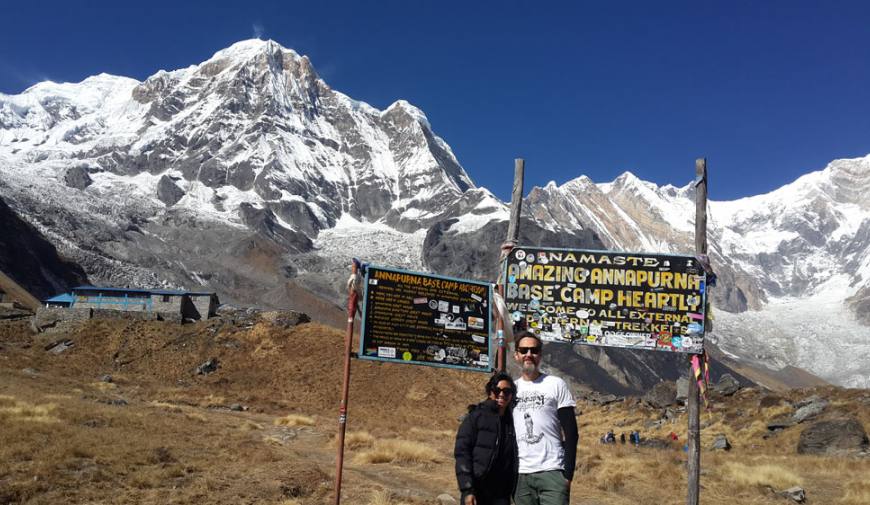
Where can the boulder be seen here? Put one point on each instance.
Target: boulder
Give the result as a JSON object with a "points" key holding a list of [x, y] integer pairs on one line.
{"points": [[285, 318], [721, 443], [796, 494], [604, 399], [809, 410], [781, 422], [834, 437], [77, 177], [445, 499], [168, 192], [208, 367], [682, 389], [808, 400], [661, 395], [727, 385], [59, 346], [13, 312]]}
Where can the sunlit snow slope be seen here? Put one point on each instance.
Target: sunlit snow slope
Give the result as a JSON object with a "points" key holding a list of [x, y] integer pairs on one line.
{"points": [[247, 172]]}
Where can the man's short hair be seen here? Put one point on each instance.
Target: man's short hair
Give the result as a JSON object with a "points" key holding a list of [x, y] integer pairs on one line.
{"points": [[525, 334]]}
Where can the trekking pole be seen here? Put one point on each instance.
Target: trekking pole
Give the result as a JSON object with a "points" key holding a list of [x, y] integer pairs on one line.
{"points": [[352, 300]]}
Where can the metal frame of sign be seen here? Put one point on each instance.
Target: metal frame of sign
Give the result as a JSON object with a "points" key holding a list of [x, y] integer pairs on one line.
{"points": [[702, 293], [489, 315]]}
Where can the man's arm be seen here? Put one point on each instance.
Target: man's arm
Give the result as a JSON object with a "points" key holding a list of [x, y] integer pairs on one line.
{"points": [[569, 430]]}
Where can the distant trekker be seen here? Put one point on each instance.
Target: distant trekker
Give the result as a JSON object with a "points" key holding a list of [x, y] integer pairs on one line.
{"points": [[544, 410]]}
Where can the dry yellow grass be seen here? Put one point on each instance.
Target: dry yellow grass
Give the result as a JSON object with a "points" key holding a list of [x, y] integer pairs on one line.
{"points": [[398, 451], [430, 434], [384, 497], [212, 399], [294, 420], [250, 426], [16, 410], [162, 452], [168, 406], [857, 493], [104, 386], [195, 416], [763, 474], [380, 497], [355, 440], [57, 397]]}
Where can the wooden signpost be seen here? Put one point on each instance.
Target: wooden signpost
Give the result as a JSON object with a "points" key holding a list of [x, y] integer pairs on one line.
{"points": [[513, 236], [694, 410]]}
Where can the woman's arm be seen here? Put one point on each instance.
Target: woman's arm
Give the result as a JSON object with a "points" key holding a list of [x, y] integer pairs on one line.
{"points": [[463, 452]]}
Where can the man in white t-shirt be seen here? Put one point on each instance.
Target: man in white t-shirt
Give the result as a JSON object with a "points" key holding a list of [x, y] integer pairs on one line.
{"points": [[546, 429]]}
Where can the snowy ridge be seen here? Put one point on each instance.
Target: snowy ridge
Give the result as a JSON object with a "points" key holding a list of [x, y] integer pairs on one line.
{"points": [[795, 262], [248, 167]]}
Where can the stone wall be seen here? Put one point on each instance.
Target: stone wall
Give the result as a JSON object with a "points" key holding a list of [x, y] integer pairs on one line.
{"points": [[49, 317], [166, 303], [123, 314], [130, 304]]}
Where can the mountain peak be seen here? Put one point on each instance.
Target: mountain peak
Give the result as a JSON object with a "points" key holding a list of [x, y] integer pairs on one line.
{"points": [[409, 109], [626, 178], [244, 49]]}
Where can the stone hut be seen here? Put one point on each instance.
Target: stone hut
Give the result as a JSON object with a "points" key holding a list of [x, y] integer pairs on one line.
{"points": [[166, 303]]}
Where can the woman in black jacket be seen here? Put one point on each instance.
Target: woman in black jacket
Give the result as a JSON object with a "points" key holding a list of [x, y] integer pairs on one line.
{"points": [[486, 447]]}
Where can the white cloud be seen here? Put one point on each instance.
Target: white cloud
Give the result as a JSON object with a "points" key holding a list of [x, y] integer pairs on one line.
{"points": [[259, 30]]}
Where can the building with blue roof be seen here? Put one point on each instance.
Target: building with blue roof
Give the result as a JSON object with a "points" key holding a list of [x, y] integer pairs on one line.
{"points": [[168, 304]]}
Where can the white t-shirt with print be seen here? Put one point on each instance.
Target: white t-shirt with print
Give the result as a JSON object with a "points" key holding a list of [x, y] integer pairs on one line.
{"points": [[539, 433]]}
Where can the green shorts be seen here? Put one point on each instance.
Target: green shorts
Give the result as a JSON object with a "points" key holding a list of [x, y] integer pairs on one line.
{"points": [[542, 488]]}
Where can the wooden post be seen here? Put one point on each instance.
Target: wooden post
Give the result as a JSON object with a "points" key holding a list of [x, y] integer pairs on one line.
{"points": [[694, 436], [352, 300], [513, 235]]}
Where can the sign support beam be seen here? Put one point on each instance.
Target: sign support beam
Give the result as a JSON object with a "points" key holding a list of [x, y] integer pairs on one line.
{"points": [[694, 411], [513, 236]]}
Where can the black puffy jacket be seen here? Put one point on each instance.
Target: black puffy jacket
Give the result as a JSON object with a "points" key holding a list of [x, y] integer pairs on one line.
{"points": [[477, 446]]}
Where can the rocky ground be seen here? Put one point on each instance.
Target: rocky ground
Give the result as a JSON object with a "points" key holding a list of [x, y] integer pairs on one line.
{"points": [[243, 409]]}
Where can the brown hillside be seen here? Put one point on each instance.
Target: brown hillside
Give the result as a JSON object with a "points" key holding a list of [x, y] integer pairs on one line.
{"points": [[160, 433]]}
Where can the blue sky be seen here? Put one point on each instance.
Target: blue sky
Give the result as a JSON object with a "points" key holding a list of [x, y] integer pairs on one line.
{"points": [[767, 91]]}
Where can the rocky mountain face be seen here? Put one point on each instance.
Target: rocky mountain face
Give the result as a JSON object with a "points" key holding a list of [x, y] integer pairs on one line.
{"points": [[218, 174], [249, 175], [31, 261], [793, 265]]}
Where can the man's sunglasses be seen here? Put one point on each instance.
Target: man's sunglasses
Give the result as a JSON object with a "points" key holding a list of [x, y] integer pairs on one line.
{"points": [[533, 350], [506, 391]]}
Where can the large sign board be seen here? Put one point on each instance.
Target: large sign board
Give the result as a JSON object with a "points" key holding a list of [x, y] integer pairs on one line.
{"points": [[412, 317], [614, 299]]}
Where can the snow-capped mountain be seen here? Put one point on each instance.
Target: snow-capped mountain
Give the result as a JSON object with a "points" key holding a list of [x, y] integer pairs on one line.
{"points": [[793, 264], [250, 141], [252, 125], [248, 174]]}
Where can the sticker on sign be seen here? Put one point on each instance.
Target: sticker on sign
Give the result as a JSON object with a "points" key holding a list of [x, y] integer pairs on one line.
{"points": [[386, 352]]}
